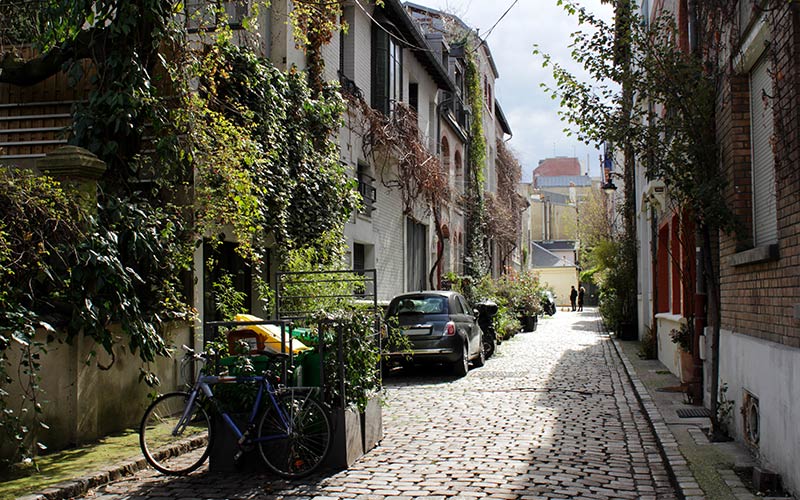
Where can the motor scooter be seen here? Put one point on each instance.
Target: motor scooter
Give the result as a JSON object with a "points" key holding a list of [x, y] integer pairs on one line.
{"points": [[548, 301]]}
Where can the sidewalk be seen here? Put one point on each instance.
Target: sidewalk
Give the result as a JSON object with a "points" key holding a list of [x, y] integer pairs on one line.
{"points": [[702, 469]]}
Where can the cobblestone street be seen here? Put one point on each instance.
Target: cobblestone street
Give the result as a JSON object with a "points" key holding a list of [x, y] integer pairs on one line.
{"points": [[552, 415]]}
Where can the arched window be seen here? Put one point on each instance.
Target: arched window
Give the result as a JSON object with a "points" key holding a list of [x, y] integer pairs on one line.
{"points": [[459, 174], [446, 154]]}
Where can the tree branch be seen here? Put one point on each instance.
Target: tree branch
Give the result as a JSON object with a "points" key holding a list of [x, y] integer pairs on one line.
{"points": [[27, 72]]}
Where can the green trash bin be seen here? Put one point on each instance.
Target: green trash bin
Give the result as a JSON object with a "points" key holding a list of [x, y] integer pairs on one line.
{"points": [[309, 372]]}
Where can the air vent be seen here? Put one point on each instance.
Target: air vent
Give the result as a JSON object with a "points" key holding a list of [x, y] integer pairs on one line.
{"points": [[751, 418]]}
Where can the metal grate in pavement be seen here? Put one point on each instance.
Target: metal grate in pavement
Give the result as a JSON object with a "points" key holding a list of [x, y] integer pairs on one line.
{"points": [[693, 412]]}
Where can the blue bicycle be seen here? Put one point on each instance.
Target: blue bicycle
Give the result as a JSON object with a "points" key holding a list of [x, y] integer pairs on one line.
{"points": [[293, 434]]}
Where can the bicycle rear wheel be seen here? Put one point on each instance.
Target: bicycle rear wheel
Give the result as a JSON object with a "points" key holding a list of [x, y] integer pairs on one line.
{"points": [[297, 442], [166, 446]]}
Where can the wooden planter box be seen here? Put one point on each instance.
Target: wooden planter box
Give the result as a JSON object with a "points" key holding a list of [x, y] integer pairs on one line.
{"points": [[355, 434]]}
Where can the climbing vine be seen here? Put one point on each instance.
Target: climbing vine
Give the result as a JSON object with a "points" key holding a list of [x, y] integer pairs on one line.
{"points": [[504, 208], [197, 137], [395, 145], [476, 258]]}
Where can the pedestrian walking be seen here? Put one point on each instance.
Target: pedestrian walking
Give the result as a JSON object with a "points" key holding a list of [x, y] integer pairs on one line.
{"points": [[581, 293], [573, 296]]}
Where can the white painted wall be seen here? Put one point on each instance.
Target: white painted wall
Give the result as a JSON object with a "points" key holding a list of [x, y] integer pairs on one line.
{"points": [[385, 228], [667, 350], [771, 372]]}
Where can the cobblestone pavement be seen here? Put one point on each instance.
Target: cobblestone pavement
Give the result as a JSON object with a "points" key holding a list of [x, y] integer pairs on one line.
{"points": [[552, 415]]}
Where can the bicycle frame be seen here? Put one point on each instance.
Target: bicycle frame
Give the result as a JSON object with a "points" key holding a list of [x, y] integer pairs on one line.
{"points": [[203, 385]]}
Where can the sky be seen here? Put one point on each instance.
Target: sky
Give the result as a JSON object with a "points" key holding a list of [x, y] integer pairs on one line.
{"points": [[532, 114]]}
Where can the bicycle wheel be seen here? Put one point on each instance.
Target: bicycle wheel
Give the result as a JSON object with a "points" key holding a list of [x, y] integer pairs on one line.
{"points": [[166, 447], [295, 447]]}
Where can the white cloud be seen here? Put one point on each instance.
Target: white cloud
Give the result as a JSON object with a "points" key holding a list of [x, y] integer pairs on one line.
{"points": [[532, 114]]}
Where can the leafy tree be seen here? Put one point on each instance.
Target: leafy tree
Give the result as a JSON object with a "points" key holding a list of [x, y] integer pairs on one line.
{"points": [[671, 132]]}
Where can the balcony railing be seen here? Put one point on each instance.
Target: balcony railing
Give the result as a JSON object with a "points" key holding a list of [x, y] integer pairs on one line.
{"points": [[366, 188]]}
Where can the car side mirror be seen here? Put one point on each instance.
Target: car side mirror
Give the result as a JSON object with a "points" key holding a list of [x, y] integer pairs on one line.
{"points": [[476, 312]]}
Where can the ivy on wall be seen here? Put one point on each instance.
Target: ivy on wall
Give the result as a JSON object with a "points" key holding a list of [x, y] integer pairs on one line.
{"points": [[476, 263], [196, 136]]}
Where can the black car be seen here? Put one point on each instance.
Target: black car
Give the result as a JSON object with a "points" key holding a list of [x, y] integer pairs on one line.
{"points": [[440, 327]]}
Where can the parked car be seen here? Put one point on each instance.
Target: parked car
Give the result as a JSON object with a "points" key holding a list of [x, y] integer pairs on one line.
{"points": [[440, 326]]}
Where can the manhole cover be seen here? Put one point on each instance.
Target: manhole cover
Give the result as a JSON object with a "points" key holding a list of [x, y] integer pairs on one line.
{"points": [[693, 412]]}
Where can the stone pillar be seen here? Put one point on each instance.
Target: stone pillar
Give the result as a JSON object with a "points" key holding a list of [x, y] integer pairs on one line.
{"points": [[77, 169]]}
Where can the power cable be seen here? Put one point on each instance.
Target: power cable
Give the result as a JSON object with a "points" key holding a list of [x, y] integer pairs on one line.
{"points": [[483, 40]]}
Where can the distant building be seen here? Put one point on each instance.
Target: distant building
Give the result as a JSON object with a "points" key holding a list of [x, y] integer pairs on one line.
{"points": [[555, 271], [560, 165]]}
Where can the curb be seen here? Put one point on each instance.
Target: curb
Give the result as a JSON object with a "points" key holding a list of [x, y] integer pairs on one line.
{"points": [[677, 467], [81, 485]]}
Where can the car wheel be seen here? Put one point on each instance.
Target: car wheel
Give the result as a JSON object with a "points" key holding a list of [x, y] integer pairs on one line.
{"points": [[461, 366], [480, 360]]}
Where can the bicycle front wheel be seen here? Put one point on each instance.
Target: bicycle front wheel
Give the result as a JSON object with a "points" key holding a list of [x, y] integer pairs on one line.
{"points": [[172, 446], [295, 438]]}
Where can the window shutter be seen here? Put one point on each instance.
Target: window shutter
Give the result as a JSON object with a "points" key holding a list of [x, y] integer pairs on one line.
{"points": [[765, 218], [380, 65]]}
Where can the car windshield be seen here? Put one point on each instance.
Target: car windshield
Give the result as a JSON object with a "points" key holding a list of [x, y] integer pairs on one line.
{"points": [[420, 305]]}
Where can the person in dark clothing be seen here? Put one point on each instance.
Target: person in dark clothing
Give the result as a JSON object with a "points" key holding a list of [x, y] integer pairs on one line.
{"points": [[581, 293], [573, 295]]}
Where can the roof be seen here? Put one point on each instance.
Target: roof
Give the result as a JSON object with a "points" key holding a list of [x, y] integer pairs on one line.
{"points": [[418, 45], [552, 197], [501, 118], [545, 258], [557, 246], [439, 13], [562, 181], [561, 165]]}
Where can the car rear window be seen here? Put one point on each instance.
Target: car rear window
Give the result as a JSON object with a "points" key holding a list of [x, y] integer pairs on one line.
{"points": [[420, 305]]}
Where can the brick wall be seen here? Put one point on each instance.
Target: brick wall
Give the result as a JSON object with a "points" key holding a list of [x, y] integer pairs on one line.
{"points": [[758, 297]]}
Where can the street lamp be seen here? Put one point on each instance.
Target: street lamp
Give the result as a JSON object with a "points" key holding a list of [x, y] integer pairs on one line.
{"points": [[609, 187]]}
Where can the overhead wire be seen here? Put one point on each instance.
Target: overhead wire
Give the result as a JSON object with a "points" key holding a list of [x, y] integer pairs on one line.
{"points": [[483, 39]]}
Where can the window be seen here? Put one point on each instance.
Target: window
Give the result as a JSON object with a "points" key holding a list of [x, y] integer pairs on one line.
{"points": [[413, 96], [416, 255], [366, 188], [765, 219], [459, 174], [387, 70], [227, 263], [203, 14], [465, 306], [347, 42]]}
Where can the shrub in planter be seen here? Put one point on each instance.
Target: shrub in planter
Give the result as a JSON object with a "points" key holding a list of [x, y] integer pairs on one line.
{"points": [[351, 347]]}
